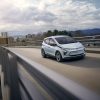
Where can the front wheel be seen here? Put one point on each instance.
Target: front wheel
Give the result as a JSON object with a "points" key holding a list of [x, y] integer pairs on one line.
{"points": [[58, 56], [83, 56], [43, 53]]}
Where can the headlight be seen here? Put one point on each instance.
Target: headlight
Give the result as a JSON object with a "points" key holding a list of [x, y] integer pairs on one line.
{"points": [[68, 49], [64, 51]]}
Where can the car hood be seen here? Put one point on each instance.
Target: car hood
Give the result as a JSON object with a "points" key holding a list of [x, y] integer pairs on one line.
{"points": [[72, 45]]}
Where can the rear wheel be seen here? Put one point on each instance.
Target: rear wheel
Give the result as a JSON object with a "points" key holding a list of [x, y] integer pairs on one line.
{"points": [[58, 56], [43, 53]]}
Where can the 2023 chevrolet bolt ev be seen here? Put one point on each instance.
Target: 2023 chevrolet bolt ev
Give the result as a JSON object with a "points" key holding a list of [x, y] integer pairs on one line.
{"points": [[62, 47]]}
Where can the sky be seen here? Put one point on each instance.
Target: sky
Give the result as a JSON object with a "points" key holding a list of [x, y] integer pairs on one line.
{"points": [[42, 15]]}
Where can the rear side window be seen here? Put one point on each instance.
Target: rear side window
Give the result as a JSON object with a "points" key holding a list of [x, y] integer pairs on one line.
{"points": [[46, 41], [52, 41]]}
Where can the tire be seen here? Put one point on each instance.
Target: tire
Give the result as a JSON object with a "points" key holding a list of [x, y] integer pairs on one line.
{"points": [[58, 56], [83, 56], [43, 53]]}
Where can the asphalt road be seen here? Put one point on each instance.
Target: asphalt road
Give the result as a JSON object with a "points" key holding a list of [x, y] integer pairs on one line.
{"points": [[83, 71]]}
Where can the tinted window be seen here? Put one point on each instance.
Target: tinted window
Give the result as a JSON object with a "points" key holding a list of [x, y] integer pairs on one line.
{"points": [[65, 40]]}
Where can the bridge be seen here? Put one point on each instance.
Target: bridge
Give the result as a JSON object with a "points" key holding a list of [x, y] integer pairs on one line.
{"points": [[25, 75]]}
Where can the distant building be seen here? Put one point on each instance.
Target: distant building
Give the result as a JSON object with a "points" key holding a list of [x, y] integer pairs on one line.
{"points": [[10, 40], [30, 37], [4, 34], [4, 39]]}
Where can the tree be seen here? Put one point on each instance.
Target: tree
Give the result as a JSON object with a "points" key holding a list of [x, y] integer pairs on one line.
{"points": [[55, 32], [49, 33]]}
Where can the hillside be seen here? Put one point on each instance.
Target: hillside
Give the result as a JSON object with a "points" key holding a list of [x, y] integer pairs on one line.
{"points": [[90, 32]]}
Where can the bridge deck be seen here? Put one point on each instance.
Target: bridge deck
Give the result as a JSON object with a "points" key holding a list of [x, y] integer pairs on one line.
{"points": [[85, 71]]}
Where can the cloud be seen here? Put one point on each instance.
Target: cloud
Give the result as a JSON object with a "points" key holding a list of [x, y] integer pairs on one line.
{"points": [[45, 16], [40, 15]]}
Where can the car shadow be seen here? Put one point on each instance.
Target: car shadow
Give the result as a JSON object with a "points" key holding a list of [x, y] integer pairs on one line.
{"points": [[87, 62]]}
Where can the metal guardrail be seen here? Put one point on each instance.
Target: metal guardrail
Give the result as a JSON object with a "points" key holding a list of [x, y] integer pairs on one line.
{"points": [[90, 42], [86, 42], [27, 80]]}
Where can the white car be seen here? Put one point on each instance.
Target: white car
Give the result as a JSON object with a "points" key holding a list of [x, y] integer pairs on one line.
{"points": [[62, 47]]}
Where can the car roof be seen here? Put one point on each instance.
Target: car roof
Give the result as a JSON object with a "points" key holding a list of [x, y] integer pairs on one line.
{"points": [[57, 36]]}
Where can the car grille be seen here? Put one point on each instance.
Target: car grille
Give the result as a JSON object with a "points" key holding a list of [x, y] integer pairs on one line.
{"points": [[76, 52]]}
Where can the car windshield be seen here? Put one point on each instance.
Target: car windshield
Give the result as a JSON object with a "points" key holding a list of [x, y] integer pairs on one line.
{"points": [[65, 40]]}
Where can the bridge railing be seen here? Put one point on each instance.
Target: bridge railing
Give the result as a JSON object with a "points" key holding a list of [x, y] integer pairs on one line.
{"points": [[85, 42], [24, 79]]}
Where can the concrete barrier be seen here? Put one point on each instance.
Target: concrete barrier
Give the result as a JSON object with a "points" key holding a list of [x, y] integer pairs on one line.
{"points": [[93, 50]]}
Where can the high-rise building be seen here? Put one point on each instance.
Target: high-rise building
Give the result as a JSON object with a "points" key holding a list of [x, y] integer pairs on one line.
{"points": [[3, 38], [4, 34]]}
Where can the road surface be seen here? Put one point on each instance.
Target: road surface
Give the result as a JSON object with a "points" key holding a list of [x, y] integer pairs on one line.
{"points": [[83, 71]]}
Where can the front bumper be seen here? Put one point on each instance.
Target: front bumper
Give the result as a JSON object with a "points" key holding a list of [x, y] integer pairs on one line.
{"points": [[73, 54]]}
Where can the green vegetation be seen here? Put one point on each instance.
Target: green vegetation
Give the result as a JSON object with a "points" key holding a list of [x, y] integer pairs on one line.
{"points": [[41, 36], [50, 33], [56, 32]]}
